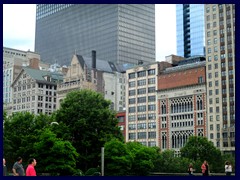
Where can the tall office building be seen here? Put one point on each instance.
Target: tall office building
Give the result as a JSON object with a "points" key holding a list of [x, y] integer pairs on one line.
{"points": [[220, 57], [120, 33], [190, 30]]}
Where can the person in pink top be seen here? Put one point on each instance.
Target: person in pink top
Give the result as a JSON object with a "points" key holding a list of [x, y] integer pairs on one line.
{"points": [[30, 171]]}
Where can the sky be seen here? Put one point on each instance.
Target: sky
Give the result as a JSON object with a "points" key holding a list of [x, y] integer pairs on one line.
{"points": [[19, 28]]}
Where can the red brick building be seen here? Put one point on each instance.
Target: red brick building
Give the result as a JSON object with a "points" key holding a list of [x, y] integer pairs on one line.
{"points": [[182, 104], [121, 116]]}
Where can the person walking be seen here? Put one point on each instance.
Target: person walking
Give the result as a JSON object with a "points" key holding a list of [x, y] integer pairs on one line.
{"points": [[205, 168], [18, 168], [228, 168], [30, 171], [4, 167], [190, 170]]}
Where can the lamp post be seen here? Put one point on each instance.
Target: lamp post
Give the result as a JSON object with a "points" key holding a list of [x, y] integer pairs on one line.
{"points": [[102, 160]]}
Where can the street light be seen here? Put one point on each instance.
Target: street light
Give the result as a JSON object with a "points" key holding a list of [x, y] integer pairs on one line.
{"points": [[54, 123]]}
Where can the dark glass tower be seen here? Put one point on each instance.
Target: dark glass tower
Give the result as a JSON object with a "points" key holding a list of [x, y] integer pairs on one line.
{"points": [[120, 33], [190, 30]]}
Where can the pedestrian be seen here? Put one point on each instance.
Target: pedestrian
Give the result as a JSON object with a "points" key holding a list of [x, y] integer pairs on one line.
{"points": [[18, 168], [228, 168], [190, 170], [4, 167], [30, 171], [205, 168]]}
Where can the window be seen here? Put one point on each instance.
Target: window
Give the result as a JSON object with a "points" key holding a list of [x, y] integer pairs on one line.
{"points": [[141, 108], [209, 50], [209, 67], [214, 24], [141, 74], [210, 109], [209, 75], [208, 34], [141, 126], [209, 42], [214, 8], [210, 101], [141, 91], [151, 98], [141, 82], [211, 127], [210, 84], [131, 93], [211, 135], [132, 135], [131, 75], [207, 9], [214, 16], [141, 100], [151, 81], [151, 90], [208, 17], [200, 79], [141, 135], [151, 72], [151, 116], [151, 134], [211, 118], [208, 26], [131, 101], [209, 58], [132, 84], [151, 107], [210, 92], [131, 109], [120, 118]]}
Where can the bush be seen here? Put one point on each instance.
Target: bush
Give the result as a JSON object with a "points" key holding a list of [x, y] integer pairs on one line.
{"points": [[91, 172]]}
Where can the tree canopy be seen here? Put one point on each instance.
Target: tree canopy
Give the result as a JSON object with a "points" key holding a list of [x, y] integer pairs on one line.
{"points": [[89, 124]]}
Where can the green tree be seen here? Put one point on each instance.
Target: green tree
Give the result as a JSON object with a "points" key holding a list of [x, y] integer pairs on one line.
{"points": [[20, 132], [143, 158], [199, 148], [54, 155], [117, 158], [89, 123]]}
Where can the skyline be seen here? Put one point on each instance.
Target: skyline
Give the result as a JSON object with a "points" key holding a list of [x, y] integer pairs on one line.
{"points": [[19, 28]]}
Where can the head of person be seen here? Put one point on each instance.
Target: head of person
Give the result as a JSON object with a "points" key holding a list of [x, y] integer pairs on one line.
{"points": [[205, 162], [32, 161], [19, 160], [4, 161], [190, 165], [227, 163]]}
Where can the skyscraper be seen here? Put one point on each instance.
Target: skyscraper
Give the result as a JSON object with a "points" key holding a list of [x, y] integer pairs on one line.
{"points": [[220, 69], [190, 30], [120, 33]]}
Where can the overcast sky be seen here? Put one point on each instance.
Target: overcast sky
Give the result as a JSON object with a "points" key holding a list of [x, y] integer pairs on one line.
{"points": [[19, 28]]}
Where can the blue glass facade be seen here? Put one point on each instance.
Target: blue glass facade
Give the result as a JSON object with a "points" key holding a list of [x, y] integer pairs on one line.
{"points": [[190, 30], [120, 33]]}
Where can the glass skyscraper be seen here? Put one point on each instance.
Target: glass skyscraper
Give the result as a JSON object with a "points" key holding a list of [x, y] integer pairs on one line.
{"points": [[120, 33], [190, 30]]}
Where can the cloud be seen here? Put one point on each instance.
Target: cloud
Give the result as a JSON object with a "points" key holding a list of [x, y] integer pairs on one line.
{"points": [[19, 24], [165, 19]]}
